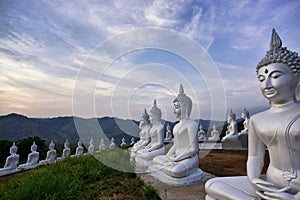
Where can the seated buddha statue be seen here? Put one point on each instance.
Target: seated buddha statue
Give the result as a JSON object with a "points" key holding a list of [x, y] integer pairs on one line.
{"points": [[102, 145], [215, 135], [112, 144], [201, 134], [232, 132], [168, 137], [277, 129], [132, 141], [245, 116], [144, 134], [66, 151], [11, 161], [91, 149], [51, 154], [123, 143], [182, 158], [32, 159], [156, 146]]}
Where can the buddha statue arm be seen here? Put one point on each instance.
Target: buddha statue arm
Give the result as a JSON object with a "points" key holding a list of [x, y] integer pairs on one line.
{"points": [[160, 140]]}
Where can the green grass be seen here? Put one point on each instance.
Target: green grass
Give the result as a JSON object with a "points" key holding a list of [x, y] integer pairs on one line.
{"points": [[77, 178]]}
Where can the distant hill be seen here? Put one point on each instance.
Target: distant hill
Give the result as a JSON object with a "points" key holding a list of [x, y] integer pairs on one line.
{"points": [[14, 127]]}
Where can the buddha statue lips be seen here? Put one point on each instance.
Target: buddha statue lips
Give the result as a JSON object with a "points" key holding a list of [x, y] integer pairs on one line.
{"points": [[277, 128], [182, 158]]}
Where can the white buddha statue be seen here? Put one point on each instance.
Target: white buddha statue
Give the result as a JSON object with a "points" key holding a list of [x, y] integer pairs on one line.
{"points": [[66, 151], [112, 144], [277, 129], [11, 161], [168, 137], [201, 134], [156, 146], [32, 159], [232, 132], [51, 154], [123, 142], [215, 135], [102, 145], [79, 149], [132, 141], [182, 159], [245, 116], [91, 149], [144, 135]]}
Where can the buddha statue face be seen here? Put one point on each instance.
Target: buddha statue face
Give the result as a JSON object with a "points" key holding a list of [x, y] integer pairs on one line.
{"points": [[177, 109], [214, 127], [144, 119], [33, 147], [277, 83], [154, 114]]}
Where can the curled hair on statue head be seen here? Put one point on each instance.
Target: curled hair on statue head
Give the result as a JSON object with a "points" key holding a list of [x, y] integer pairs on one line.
{"points": [[185, 101]]}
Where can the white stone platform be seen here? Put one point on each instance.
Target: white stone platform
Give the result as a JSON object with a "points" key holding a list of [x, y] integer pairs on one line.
{"points": [[210, 145]]}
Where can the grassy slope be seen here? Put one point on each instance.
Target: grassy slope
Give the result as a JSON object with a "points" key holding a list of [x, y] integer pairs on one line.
{"points": [[76, 178]]}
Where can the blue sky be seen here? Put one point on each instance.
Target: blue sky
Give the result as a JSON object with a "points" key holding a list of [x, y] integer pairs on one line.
{"points": [[51, 50]]}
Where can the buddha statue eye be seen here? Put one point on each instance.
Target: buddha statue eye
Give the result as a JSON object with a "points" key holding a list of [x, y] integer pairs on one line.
{"points": [[276, 74], [261, 78]]}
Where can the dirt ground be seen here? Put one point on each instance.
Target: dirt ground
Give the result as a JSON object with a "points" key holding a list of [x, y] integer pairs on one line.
{"points": [[226, 162]]}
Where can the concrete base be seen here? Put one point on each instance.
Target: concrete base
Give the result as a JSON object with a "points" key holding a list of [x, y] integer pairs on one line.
{"points": [[244, 139], [4, 171], [161, 176], [210, 145]]}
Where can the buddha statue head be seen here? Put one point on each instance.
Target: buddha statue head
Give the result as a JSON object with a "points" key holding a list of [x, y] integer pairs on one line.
{"points": [[13, 149], [144, 119], [79, 143], [51, 145], [33, 147], [154, 113], [67, 144], [245, 113], [278, 73], [231, 117], [182, 105]]}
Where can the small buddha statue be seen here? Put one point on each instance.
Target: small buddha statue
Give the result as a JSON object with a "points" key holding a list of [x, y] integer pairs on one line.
{"points": [[91, 149], [132, 141], [168, 137], [32, 159], [11, 161], [215, 135], [156, 146], [66, 151], [231, 133], [112, 143], [102, 145], [144, 135], [201, 134], [123, 142], [79, 149], [51, 154], [245, 116], [182, 159], [277, 129]]}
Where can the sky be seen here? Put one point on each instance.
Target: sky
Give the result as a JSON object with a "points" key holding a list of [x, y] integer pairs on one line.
{"points": [[113, 58]]}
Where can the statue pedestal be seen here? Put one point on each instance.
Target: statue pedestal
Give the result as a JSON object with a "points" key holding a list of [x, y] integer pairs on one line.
{"points": [[232, 144], [244, 139], [210, 145], [4, 172], [161, 176]]}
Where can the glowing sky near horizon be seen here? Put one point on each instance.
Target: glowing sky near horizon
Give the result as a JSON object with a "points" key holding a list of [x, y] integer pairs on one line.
{"points": [[44, 44]]}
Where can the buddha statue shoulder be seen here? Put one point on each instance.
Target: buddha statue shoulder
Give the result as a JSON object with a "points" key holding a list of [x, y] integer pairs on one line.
{"points": [[182, 159], [277, 128]]}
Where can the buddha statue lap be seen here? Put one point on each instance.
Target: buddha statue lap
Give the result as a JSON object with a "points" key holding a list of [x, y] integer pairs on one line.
{"points": [[180, 165], [156, 147], [215, 135], [201, 134], [51, 154], [144, 134], [32, 160], [11, 161], [277, 128], [231, 133]]}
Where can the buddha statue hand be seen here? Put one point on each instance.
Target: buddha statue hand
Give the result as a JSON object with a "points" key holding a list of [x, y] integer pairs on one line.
{"points": [[278, 195]]}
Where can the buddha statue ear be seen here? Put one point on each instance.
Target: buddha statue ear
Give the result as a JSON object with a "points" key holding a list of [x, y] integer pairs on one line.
{"points": [[297, 94]]}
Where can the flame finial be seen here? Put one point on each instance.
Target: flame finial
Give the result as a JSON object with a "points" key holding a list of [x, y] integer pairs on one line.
{"points": [[275, 42]]}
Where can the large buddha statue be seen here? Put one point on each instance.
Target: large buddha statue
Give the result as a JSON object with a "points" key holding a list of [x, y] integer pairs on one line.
{"points": [[11, 161], [32, 159], [245, 116], [201, 134], [215, 135], [182, 158], [144, 126], [232, 132], [156, 146], [277, 128]]}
